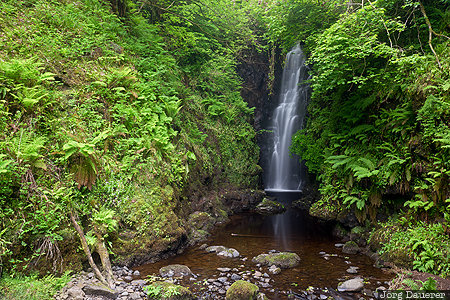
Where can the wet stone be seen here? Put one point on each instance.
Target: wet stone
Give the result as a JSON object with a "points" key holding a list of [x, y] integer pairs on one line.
{"points": [[222, 279], [224, 269], [352, 270], [235, 277], [352, 285]]}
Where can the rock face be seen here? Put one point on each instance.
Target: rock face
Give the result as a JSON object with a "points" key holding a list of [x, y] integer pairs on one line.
{"points": [[281, 259], [270, 207], [162, 290], [350, 248], [175, 270], [352, 285], [242, 290]]}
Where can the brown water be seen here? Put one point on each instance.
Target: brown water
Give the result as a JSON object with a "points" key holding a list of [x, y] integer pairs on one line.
{"points": [[296, 231]]}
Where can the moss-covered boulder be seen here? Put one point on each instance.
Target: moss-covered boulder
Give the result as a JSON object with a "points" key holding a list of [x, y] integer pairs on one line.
{"points": [[200, 220], [162, 290], [270, 207], [324, 210], [175, 270], [283, 260], [242, 290], [350, 248]]}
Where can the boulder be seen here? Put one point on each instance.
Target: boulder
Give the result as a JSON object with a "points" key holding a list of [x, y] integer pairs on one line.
{"points": [[99, 289], [75, 293], [200, 220], [350, 248], [242, 290], [352, 285], [281, 259], [270, 207], [175, 270], [163, 290], [229, 252], [223, 251]]}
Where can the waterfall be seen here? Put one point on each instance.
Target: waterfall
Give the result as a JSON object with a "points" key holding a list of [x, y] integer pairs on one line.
{"points": [[285, 170]]}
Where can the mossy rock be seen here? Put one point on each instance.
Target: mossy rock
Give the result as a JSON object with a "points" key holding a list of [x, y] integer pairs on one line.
{"points": [[200, 220], [350, 248], [324, 210], [359, 230], [284, 260], [197, 236], [270, 207], [242, 290], [175, 270], [339, 231], [162, 290]]}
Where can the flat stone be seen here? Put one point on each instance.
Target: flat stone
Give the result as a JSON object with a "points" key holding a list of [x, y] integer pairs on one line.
{"points": [[339, 245], [352, 285], [136, 273], [224, 269], [100, 290]]}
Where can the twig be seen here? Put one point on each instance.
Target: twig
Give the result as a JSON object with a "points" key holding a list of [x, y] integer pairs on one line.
{"points": [[430, 33]]}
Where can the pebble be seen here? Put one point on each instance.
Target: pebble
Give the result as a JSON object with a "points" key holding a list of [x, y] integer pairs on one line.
{"points": [[224, 269], [235, 277], [222, 279]]}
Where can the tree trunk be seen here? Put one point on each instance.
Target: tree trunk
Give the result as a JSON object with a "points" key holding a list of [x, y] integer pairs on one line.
{"points": [[104, 257], [87, 251]]}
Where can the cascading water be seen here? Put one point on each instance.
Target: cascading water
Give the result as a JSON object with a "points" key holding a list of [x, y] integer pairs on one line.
{"points": [[285, 170]]}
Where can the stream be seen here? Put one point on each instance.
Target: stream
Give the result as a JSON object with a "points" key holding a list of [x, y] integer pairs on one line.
{"points": [[322, 265]]}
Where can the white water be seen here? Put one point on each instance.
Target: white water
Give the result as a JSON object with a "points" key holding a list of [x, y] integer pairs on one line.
{"points": [[285, 171]]}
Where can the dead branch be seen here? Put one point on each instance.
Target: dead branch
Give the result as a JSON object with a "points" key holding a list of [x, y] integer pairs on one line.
{"points": [[431, 32], [86, 250]]}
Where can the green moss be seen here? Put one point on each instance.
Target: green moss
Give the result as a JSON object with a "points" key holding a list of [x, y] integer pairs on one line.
{"points": [[324, 210], [162, 290], [242, 290], [282, 259], [350, 247]]}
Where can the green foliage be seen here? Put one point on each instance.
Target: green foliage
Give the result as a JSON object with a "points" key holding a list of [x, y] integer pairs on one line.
{"points": [[378, 121], [137, 110], [31, 287], [426, 246]]}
